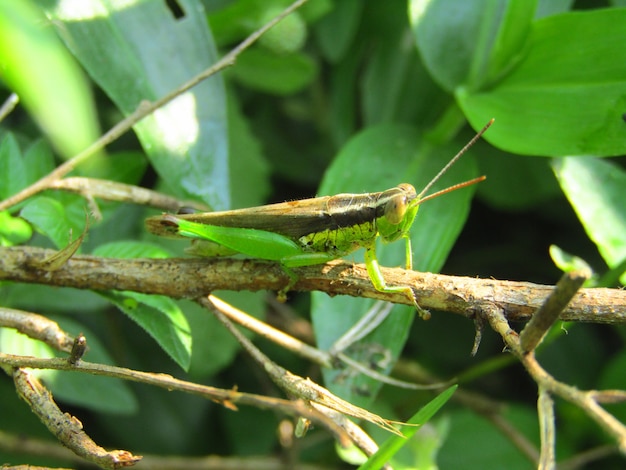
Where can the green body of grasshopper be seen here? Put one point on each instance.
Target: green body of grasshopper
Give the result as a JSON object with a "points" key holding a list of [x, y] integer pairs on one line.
{"points": [[305, 232], [312, 231]]}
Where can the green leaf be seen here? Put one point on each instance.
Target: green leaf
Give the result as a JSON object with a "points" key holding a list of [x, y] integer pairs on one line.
{"points": [[53, 219], [567, 262], [160, 316], [124, 167], [469, 44], [396, 84], [40, 70], [566, 96], [379, 158], [139, 52], [596, 190], [336, 31], [474, 442], [250, 185], [514, 182], [392, 445], [38, 161], [98, 393], [130, 249], [12, 168], [266, 71]]}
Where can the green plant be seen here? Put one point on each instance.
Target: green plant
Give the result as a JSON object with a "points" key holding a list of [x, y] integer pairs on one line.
{"points": [[348, 96]]}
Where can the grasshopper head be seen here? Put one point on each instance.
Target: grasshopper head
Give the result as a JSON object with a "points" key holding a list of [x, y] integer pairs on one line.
{"points": [[399, 206]]}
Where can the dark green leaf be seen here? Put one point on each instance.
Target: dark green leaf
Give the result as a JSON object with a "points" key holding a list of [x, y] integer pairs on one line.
{"points": [[466, 445], [53, 219], [264, 70], [337, 30], [514, 182], [160, 316]]}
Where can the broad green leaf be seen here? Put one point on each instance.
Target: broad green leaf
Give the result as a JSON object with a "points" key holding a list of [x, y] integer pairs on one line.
{"points": [[514, 182], [337, 30], [396, 85], [36, 66], [102, 394], [231, 22], [38, 161], [377, 159], [266, 71], [469, 44], [596, 190], [138, 51], [160, 316], [566, 96], [250, 184], [54, 219], [394, 443], [123, 167], [130, 249]]}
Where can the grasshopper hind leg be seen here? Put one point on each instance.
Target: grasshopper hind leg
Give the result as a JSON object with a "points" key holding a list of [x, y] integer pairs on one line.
{"points": [[376, 276], [281, 295]]}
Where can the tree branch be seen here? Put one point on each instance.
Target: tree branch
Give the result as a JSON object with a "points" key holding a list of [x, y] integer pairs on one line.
{"points": [[196, 277]]}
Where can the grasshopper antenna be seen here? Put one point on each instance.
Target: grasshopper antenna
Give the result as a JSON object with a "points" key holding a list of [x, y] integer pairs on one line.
{"points": [[452, 162]]}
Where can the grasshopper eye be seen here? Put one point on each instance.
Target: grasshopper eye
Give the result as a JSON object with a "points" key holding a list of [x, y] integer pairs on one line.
{"points": [[395, 209]]}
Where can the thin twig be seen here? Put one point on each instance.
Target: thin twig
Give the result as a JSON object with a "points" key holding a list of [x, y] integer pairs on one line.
{"points": [[37, 327], [547, 425], [295, 385], [583, 399], [228, 398], [322, 358], [114, 191]]}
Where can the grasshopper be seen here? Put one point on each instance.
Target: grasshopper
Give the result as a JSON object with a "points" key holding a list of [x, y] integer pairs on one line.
{"points": [[313, 231]]}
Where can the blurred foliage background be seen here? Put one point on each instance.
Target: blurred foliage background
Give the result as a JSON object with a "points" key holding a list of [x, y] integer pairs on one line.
{"points": [[341, 96]]}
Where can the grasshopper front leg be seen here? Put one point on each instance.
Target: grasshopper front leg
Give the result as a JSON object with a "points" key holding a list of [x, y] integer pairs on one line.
{"points": [[373, 269]]}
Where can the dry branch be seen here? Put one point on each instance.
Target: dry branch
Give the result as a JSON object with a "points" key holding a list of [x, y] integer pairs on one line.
{"points": [[195, 277]]}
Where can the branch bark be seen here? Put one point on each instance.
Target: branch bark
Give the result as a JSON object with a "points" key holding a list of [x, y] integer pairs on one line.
{"points": [[195, 277]]}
